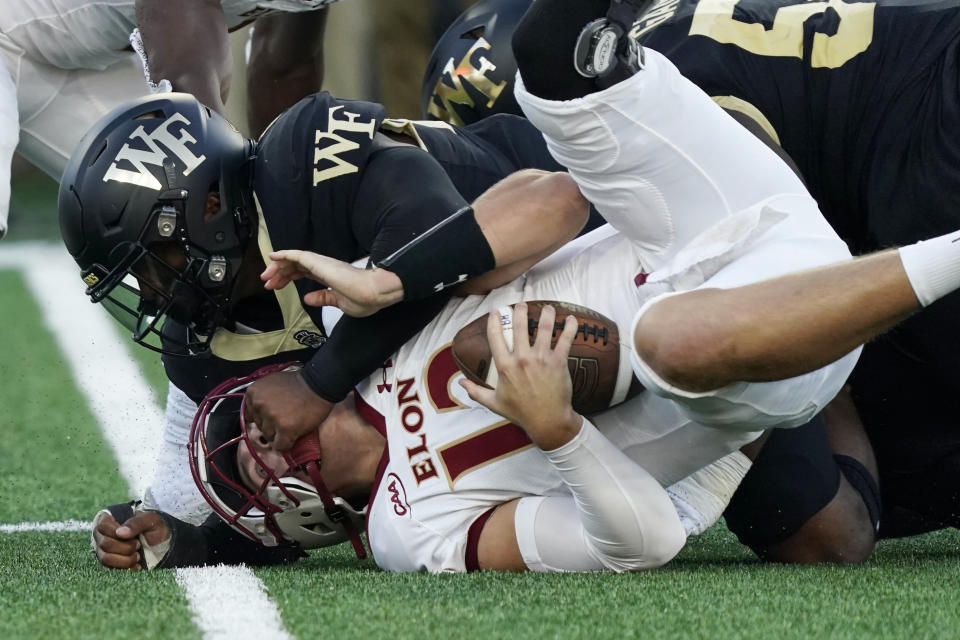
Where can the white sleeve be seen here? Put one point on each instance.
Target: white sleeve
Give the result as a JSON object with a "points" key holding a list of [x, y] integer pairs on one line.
{"points": [[702, 497], [619, 518], [172, 489]]}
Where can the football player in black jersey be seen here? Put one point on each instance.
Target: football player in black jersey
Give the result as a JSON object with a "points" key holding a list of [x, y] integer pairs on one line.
{"points": [[863, 96], [170, 213]]}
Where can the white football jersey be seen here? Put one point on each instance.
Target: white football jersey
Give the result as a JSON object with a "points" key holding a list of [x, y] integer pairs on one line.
{"points": [[92, 34], [448, 460]]}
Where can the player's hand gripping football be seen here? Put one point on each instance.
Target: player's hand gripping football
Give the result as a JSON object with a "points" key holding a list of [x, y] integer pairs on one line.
{"points": [[118, 546], [534, 387], [358, 292], [285, 408]]}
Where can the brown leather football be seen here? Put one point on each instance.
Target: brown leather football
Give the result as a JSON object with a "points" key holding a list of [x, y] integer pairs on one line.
{"points": [[601, 374]]}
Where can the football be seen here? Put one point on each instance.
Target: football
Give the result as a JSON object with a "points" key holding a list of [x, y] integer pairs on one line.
{"points": [[601, 374]]}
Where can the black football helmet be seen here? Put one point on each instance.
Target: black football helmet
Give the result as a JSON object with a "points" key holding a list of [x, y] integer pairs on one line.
{"points": [[471, 72], [156, 206], [283, 508]]}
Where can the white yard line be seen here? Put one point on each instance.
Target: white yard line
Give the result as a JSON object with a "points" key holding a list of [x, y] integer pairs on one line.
{"points": [[226, 602], [70, 526], [116, 391], [214, 594]]}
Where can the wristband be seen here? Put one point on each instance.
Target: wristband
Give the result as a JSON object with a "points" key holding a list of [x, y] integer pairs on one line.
{"points": [[933, 267]]}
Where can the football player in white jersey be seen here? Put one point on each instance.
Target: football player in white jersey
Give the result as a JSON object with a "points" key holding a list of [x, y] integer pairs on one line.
{"points": [[453, 487], [64, 63]]}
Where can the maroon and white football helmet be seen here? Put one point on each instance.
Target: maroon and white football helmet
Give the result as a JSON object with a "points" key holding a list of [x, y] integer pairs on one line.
{"points": [[283, 508]]}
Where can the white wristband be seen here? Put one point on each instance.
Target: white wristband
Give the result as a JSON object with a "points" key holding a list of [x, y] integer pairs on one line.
{"points": [[933, 267]]}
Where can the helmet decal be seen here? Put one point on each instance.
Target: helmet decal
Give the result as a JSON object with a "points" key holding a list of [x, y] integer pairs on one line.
{"points": [[156, 206], [471, 71], [153, 154]]}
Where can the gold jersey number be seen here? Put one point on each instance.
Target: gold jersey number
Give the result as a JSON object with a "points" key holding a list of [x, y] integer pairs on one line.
{"points": [[714, 19]]}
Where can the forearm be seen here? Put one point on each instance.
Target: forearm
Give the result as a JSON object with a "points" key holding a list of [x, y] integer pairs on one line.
{"points": [[286, 64], [529, 214], [525, 218], [186, 42], [774, 329], [619, 517], [359, 346], [521, 220], [214, 542]]}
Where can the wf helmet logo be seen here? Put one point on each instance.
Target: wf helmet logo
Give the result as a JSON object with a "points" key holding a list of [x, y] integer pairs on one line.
{"points": [[456, 73], [398, 495], [149, 150]]}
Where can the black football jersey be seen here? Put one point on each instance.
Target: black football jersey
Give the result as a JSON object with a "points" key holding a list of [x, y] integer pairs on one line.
{"points": [[862, 95], [309, 167], [483, 153]]}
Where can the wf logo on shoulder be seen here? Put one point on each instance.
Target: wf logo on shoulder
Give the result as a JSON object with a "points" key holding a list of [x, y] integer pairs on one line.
{"points": [[152, 149]]}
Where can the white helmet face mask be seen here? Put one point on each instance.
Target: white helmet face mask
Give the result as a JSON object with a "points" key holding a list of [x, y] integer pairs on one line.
{"points": [[283, 508]]}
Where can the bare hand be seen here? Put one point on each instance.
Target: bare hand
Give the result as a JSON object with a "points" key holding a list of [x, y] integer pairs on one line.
{"points": [[358, 292], [534, 387], [118, 546], [284, 408]]}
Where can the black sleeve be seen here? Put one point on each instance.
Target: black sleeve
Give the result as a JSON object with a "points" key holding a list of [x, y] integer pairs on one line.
{"points": [[415, 223], [404, 191], [215, 542], [359, 346]]}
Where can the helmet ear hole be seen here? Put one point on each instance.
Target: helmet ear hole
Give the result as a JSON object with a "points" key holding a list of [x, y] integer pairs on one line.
{"points": [[214, 205], [151, 115]]}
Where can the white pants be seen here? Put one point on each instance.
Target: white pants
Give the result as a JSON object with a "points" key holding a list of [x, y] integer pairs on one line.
{"points": [[705, 204], [54, 108], [172, 489]]}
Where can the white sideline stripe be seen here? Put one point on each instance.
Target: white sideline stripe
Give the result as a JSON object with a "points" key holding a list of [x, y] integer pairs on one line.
{"points": [[117, 392], [214, 593], [227, 602], [64, 525]]}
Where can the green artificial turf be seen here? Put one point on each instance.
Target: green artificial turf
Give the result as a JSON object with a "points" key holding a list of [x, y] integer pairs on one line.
{"points": [[714, 588], [151, 367], [51, 587], [54, 464], [33, 216], [33, 207]]}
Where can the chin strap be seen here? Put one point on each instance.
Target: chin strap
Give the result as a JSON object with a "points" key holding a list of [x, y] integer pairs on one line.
{"points": [[306, 455]]}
